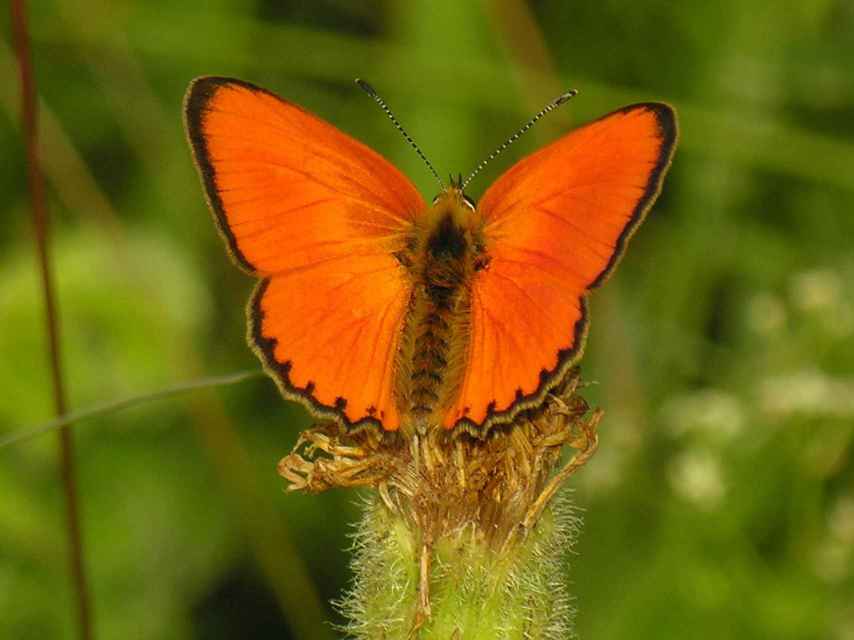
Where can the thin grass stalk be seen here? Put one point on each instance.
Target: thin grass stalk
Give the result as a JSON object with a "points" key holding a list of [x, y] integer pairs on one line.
{"points": [[40, 224], [114, 406]]}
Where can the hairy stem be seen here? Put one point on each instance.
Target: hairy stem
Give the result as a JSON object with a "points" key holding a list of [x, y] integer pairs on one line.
{"points": [[476, 592]]}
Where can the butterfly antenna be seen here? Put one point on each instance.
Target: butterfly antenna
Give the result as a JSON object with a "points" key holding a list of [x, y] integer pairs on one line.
{"points": [[364, 86], [551, 106]]}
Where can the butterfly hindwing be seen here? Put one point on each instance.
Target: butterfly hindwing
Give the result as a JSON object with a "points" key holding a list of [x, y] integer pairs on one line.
{"points": [[317, 215], [323, 221], [556, 225]]}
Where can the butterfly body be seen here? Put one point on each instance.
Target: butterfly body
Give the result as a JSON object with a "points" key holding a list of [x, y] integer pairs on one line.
{"points": [[375, 308], [443, 255]]}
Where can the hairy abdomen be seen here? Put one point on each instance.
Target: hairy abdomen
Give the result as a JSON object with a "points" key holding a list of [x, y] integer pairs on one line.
{"points": [[434, 342]]}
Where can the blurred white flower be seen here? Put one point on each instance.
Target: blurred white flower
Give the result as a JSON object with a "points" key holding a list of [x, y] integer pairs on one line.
{"points": [[712, 411], [810, 392], [696, 476]]}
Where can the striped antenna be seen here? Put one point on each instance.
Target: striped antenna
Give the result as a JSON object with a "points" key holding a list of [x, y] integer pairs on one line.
{"points": [[551, 106], [364, 86]]}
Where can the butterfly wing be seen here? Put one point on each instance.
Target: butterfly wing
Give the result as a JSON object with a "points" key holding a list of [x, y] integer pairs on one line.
{"points": [[556, 224], [317, 216]]}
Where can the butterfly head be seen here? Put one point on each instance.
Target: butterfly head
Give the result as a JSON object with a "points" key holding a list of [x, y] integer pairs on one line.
{"points": [[453, 195], [452, 232]]}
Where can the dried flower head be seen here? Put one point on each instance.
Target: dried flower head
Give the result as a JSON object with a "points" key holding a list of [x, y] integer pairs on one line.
{"points": [[451, 490]]}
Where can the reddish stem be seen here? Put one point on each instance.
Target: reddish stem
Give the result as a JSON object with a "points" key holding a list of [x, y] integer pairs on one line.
{"points": [[40, 224]]}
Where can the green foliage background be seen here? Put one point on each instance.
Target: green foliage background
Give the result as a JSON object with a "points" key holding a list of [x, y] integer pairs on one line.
{"points": [[721, 502]]}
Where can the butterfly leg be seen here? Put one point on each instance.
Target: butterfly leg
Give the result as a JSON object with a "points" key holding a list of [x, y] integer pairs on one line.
{"points": [[325, 457]]}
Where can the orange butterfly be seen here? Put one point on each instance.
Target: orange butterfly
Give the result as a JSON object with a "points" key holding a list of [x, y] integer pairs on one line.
{"points": [[374, 307]]}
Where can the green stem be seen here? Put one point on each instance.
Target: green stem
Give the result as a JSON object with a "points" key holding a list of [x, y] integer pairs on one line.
{"points": [[476, 592]]}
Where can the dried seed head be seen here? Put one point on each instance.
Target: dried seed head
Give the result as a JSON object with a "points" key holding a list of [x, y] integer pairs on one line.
{"points": [[443, 493]]}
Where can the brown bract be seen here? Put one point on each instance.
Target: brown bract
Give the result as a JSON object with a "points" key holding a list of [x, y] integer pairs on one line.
{"points": [[444, 482]]}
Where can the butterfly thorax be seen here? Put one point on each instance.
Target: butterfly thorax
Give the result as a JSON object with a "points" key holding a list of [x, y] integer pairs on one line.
{"points": [[442, 257]]}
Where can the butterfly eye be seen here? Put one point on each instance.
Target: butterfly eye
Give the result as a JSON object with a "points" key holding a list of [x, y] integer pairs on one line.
{"points": [[482, 258], [481, 263], [403, 258], [405, 255]]}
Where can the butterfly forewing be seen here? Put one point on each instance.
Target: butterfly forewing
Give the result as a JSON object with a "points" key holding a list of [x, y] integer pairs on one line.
{"points": [[328, 225], [556, 224], [318, 216]]}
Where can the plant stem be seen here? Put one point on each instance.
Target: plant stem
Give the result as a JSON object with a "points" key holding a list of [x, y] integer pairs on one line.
{"points": [[477, 592], [40, 224]]}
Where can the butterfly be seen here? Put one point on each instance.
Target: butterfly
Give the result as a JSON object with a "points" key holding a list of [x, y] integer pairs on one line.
{"points": [[375, 307]]}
